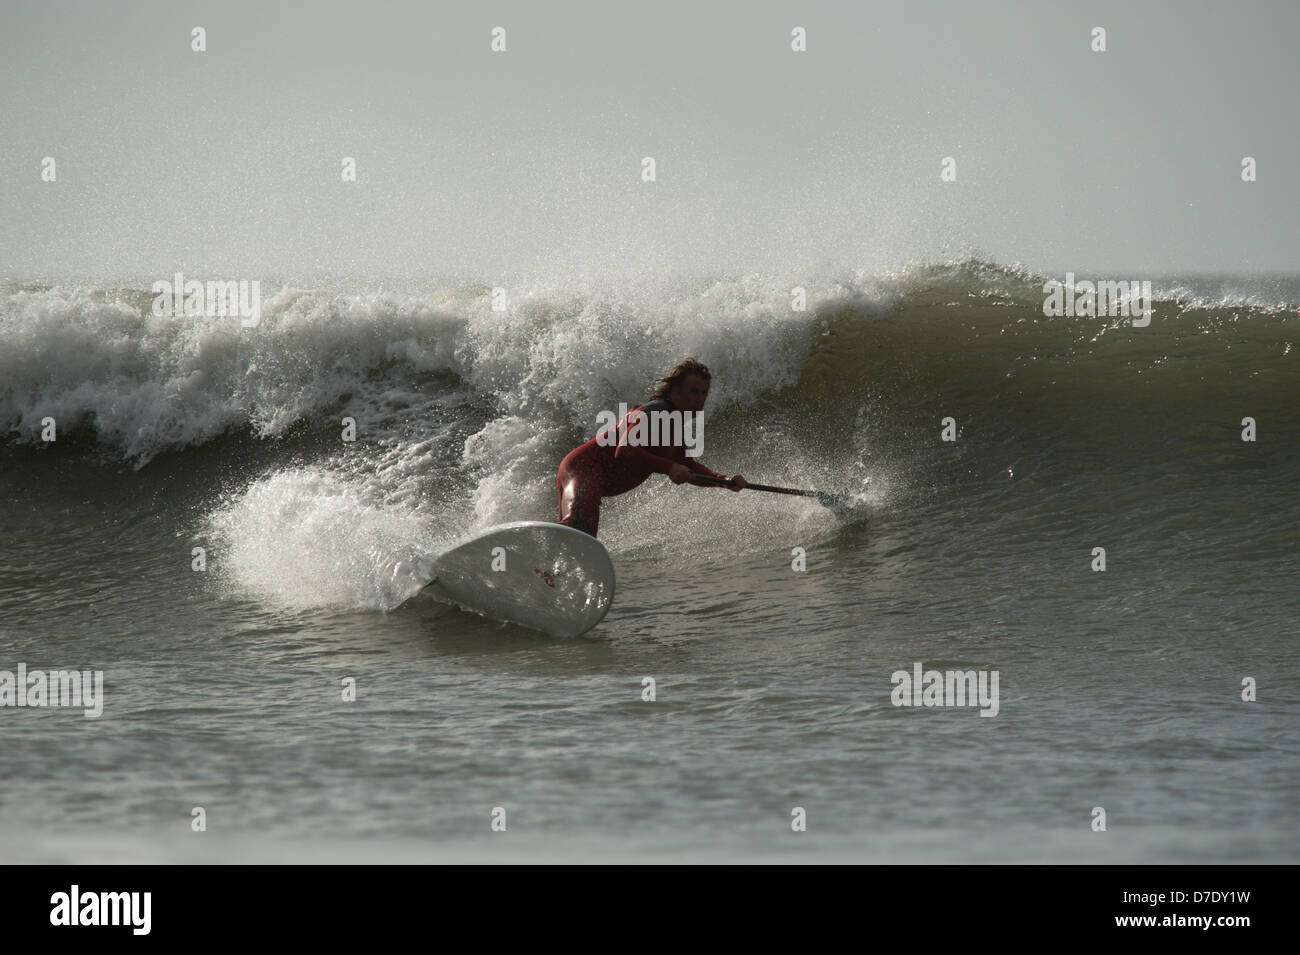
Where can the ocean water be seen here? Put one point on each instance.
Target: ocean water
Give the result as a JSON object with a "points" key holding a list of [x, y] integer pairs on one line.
{"points": [[223, 688]]}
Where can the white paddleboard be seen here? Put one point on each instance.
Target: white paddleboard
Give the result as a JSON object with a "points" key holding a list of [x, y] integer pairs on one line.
{"points": [[547, 576]]}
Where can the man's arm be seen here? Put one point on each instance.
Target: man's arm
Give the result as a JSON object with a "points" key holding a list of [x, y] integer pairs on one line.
{"points": [[737, 480], [678, 473]]}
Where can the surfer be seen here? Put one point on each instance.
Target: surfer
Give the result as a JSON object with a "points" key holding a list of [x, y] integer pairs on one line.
{"points": [[604, 467]]}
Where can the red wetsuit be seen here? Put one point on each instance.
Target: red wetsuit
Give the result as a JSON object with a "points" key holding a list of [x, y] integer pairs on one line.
{"points": [[594, 470]]}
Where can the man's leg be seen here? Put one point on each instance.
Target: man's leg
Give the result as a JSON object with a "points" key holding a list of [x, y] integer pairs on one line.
{"points": [[580, 492]]}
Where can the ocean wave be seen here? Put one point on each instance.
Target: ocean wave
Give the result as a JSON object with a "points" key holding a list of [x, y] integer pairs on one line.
{"points": [[970, 335]]}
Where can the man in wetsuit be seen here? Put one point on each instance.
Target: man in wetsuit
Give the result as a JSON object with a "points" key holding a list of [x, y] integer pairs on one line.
{"points": [[604, 467]]}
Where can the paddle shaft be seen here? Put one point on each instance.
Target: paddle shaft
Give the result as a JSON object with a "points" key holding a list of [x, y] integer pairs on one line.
{"points": [[759, 487]]}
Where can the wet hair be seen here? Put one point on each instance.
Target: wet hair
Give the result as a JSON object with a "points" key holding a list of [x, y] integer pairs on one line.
{"points": [[687, 366]]}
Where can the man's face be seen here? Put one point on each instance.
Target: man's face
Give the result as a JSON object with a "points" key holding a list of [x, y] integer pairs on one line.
{"points": [[690, 393]]}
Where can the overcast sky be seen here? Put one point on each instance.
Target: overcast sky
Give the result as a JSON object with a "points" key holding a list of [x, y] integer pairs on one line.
{"points": [[474, 162]]}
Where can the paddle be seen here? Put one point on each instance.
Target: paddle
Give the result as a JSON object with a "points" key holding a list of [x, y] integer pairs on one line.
{"points": [[826, 500]]}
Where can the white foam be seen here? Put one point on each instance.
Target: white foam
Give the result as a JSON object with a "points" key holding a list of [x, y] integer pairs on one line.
{"points": [[306, 538], [150, 384]]}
